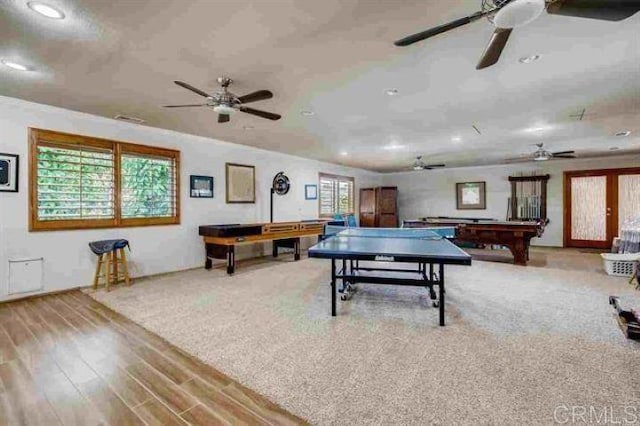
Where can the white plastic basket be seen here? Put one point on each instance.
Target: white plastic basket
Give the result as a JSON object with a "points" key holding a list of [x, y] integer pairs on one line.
{"points": [[620, 265]]}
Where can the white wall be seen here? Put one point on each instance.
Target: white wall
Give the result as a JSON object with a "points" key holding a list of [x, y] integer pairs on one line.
{"points": [[432, 192], [68, 260]]}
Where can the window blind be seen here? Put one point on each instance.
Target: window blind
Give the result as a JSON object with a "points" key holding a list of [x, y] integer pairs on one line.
{"points": [[148, 186], [336, 195], [74, 183]]}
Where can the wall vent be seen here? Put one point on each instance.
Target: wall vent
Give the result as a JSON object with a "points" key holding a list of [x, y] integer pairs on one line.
{"points": [[128, 119], [25, 275]]}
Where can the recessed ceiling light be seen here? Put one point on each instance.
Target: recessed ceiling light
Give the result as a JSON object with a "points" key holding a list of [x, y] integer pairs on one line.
{"points": [[623, 133], [247, 127], [392, 147], [614, 148], [539, 128], [307, 113], [391, 92], [456, 139], [46, 10], [344, 153], [15, 65], [528, 59]]}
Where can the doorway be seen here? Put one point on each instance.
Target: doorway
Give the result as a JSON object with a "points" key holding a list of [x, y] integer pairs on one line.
{"points": [[597, 203]]}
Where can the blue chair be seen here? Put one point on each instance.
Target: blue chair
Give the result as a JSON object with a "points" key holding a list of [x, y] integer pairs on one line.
{"points": [[351, 221]]}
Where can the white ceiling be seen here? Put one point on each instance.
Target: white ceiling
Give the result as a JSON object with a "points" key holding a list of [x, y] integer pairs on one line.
{"points": [[336, 58]]}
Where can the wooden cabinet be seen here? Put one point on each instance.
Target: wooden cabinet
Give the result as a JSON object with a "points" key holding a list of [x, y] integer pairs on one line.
{"points": [[367, 207], [379, 207]]}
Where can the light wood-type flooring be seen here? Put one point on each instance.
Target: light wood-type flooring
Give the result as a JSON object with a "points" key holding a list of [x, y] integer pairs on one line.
{"points": [[66, 359]]}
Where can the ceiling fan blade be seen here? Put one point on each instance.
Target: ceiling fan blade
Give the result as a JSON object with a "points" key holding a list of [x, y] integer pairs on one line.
{"points": [[223, 118], [193, 89], [606, 10], [263, 114], [439, 29], [518, 160], [494, 49], [564, 156], [255, 96], [184, 106], [555, 154], [433, 166]]}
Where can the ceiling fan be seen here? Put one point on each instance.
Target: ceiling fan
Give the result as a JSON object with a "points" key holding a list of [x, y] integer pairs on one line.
{"points": [[542, 154], [418, 164], [508, 14], [226, 103]]}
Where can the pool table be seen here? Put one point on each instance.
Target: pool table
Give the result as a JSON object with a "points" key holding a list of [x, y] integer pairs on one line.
{"points": [[515, 235]]}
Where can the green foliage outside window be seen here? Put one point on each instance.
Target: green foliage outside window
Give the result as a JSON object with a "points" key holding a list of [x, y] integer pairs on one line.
{"points": [[79, 184]]}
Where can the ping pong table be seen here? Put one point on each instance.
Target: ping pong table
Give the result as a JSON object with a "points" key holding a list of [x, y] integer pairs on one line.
{"points": [[419, 247]]}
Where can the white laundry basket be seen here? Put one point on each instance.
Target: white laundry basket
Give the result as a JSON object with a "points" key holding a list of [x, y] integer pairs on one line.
{"points": [[621, 265]]}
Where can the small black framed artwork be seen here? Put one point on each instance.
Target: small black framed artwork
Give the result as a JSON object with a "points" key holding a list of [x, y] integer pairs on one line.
{"points": [[201, 187], [9, 172], [471, 196], [311, 192]]}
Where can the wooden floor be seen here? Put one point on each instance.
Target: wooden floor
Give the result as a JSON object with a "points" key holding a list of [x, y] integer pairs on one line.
{"points": [[66, 359]]}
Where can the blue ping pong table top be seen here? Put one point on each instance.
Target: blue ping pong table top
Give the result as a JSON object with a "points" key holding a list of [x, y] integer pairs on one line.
{"points": [[429, 233], [390, 244]]}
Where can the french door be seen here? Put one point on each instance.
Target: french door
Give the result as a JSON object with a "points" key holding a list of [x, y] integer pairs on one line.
{"points": [[597, 203]]}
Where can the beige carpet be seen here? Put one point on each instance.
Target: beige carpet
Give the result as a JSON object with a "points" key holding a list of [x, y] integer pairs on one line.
{"points": [[520, 342]]}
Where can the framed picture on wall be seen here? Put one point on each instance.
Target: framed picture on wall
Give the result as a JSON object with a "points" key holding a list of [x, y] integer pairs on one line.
{"points": [[311, 192], [241, 183], [9, 168], [201, 187], [471, 196]]}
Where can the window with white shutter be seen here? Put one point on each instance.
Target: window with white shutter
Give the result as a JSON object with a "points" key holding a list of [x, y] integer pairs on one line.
{"points": [[336, 195]]}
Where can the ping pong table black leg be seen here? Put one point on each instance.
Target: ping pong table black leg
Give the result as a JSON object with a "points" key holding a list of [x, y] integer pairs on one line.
{"points": [[441, 288], [333, 287]]}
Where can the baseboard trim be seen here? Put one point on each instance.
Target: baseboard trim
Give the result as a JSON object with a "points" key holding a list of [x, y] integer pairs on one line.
{"points": [[221, 265]]}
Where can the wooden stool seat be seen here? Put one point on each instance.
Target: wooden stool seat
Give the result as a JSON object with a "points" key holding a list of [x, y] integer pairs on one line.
{"points": [[112, 262]]}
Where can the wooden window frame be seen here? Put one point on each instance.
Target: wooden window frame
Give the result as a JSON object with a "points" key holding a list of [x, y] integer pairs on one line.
{"points": [[59, 138], [339, 178]]}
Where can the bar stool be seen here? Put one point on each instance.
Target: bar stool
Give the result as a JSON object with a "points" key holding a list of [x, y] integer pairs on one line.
{"points": [[112, 262]]}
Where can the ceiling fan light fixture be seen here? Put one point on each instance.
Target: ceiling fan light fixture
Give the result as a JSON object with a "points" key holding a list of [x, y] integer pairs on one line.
{"points": [[542, 156], [623, 133], [224, 109], [529, 59], [518, 13], [391, 92]]}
